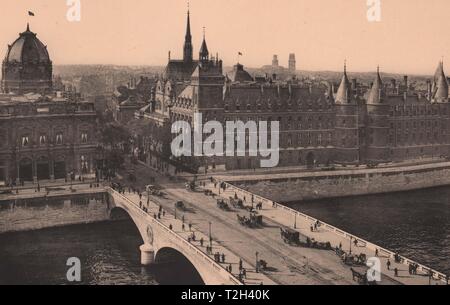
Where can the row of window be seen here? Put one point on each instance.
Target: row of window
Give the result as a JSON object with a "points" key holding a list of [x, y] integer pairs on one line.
{"points": [[59, 140], [289, 107]]}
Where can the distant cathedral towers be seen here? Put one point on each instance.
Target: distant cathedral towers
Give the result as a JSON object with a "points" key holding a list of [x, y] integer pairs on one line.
{"points": [[292, 63], [275, 61]]}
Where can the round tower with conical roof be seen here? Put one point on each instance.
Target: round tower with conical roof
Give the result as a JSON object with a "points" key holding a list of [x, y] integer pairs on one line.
{"points": [[347, 123], [378, 122]]}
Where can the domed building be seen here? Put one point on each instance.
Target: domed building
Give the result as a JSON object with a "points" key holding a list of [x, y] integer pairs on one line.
{"points": [[27, 67], [44, 134], [239, 74]]}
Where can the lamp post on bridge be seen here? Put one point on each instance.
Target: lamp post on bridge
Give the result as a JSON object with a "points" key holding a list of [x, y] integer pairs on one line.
{"points": [[351, 237], [257, 263], [210, 236], [175, 210], [295, 221]]}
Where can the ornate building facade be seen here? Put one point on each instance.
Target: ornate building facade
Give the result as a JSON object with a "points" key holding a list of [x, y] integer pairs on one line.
{"points": [[43, 134], [355, 124]]}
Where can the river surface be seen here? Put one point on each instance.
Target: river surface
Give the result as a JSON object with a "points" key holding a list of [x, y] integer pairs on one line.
{"points": [[415, 224], [108, 252]]}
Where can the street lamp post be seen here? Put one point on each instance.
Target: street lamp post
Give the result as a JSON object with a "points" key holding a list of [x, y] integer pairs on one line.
{"points": [[351, 237], [210, 236], [175, 211], [295, 221], [257, 263]]}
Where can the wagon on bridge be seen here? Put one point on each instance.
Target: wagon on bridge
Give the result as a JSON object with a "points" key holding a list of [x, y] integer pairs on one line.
{"points": [[180, 205], [190, 186], [237, 203], [312, 243], [290, 236], [252, 222], [221, 204]]}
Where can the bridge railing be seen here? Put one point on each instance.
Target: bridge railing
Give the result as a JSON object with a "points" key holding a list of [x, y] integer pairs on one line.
{"points": [[435, 274], [193, 249]]}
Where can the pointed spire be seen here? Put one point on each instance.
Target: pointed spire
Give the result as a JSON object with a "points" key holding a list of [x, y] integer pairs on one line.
{"points": [[204, 53], [188, 25], [343, 95], [441, 87], [188, 50], [28, 27], [376, 93]]}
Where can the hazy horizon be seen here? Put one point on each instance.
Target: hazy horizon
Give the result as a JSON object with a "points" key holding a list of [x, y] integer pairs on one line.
{"points": [[410, 39]]}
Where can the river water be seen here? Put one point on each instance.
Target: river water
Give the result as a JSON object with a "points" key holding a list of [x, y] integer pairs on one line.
{"points": [[415, 224]]}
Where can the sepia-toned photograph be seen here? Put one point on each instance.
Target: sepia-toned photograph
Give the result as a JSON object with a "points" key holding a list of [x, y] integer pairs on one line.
{"points": [[222, 143]]}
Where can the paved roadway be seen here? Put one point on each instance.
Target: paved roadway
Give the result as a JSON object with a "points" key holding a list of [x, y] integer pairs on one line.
{"points": [[287, 265]]}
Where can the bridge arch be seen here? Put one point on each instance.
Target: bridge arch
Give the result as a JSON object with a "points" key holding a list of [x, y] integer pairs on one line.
{"points": [[174, 268], [164, 242]]}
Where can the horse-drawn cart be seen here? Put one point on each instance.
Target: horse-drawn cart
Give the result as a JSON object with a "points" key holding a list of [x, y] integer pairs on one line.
{"points": [[252, 222], [290, 236], [221, 204], [180, 205], [237, 203]]}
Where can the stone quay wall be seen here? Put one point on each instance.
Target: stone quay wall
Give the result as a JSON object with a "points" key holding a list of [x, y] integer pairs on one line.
{"points": [[328, 184], [25, 214]]}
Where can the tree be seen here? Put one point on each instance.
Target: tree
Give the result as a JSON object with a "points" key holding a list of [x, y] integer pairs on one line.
{"points": [[115, 141]]}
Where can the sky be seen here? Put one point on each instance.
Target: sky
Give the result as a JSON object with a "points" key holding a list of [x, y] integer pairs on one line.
{"points": [[411, 37]]}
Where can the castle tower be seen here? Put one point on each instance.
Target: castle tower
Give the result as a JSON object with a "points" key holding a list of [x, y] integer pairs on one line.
{"points": [[292, 63], [440, 90], [347, 124], [378, 122], [188, 51]]}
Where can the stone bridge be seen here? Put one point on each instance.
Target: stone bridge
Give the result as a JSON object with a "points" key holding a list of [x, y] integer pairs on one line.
{"points": [[160, 239]]}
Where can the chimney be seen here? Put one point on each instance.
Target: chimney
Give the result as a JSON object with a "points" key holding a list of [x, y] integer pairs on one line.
{"points": [[354, 83], [405, 81], [393, 83], [429, 89]]}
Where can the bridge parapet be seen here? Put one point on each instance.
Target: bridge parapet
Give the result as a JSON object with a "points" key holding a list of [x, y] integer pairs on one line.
{"points": [[241, 193]]}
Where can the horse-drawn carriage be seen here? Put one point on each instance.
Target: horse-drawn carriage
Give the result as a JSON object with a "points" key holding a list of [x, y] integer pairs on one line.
{"points": [[190, 186], [237, 203], [290, 236], [221, 204], [180, 205], [251, 222], [312, 243], [153, 190]]}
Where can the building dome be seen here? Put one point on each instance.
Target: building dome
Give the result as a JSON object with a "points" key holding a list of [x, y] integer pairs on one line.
{"points": [[27, 66], [27, 48], [239, 74]]}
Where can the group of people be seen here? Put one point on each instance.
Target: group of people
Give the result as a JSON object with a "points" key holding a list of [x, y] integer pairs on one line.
{"points": [[315, 227], [219, 258]]}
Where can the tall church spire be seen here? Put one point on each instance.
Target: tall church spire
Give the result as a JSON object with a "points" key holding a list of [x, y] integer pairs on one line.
{"points": [[188, 49]]}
